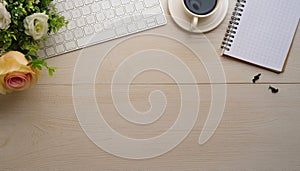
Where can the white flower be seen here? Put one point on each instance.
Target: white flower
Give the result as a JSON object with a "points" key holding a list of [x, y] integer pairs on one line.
{"points": [[5, 18], [36, 25]]}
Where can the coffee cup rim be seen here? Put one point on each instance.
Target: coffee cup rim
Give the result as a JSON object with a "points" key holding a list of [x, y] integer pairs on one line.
{"points": [[200, 15]]}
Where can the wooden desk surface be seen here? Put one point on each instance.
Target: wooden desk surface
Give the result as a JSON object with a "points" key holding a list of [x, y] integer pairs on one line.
{"points": [[259, 130]]}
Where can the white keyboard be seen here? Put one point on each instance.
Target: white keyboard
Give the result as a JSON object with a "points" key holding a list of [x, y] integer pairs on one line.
{"points": [[96, 21]]}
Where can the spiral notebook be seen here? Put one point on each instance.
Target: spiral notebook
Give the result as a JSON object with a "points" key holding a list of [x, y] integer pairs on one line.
{"points": [[261, 32]]}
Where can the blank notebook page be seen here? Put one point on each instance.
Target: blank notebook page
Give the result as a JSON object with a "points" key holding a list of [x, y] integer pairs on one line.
{"points": [[265, 32]]}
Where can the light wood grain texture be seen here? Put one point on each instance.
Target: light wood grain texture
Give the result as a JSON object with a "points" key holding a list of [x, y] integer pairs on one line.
{"points": [[39, 129]]}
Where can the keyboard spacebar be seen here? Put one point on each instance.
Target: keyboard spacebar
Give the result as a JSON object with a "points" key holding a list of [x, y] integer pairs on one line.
{"points": [[96, 38]]}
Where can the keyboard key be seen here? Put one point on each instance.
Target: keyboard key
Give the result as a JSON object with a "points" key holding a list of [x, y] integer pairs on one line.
{"points": [[58, 38], [68, 35], [63, 29], [78, 3], [41, 53], [105, 35], [151, 22], [67, 15], [109, 13], [71, 45], [60, 8], [105, 5], [78, 33], [95, 8], [129, 8], [88, 1], [132, 27], [120, 11], [69, 5], [139, 6], [49, 42], [150, 3], [161, 19], [118, 22], [115, 3], [98, 27], [80, 22], [121, 30], [137, 16], [76, 13], [71, 25], [152, 11], [125, 1], [90, 19], [127, 19], [60, 48], [141, 25], [100, 17], [88, 30], [86, 10], [107, 24], [50, 51]]}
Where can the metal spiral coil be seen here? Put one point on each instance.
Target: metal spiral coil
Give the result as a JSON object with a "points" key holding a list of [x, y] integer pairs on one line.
{"points": [[233, 25]]}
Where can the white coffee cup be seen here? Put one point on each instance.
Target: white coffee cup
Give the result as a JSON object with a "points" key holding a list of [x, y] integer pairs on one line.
{"points": [[200, 9]]}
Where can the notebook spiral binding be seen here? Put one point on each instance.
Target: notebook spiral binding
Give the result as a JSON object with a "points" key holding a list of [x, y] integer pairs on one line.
{"points": [[233, 24]]}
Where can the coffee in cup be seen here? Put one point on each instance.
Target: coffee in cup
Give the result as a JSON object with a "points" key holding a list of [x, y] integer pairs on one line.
{"points": [[200, 9]]}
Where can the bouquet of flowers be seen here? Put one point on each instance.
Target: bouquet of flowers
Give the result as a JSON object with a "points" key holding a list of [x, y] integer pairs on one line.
{"points": [[23, 25]]}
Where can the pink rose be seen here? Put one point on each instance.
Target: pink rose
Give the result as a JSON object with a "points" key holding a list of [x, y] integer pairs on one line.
{"points": [[17, 81], [15, 74]]}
